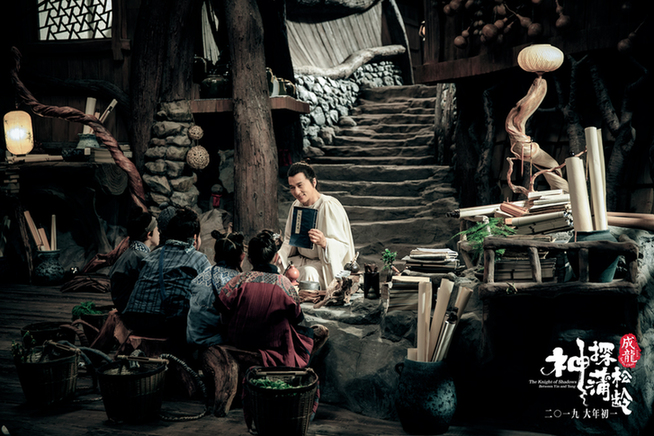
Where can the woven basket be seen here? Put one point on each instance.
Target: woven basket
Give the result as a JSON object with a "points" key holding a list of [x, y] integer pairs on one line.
{"points": [[132, 395], [50, 380], [43, 331], [281, 412]]}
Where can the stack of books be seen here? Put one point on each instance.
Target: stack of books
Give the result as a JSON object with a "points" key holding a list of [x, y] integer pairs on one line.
{"points": [[432, 260], [519, 270], [102, 155], [10, 176], [542, 223], [403, 292]]}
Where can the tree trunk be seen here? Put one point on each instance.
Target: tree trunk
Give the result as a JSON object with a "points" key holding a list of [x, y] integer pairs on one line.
{"points": [[465, 160], [288, 129], [162, 59], [255, 153]]}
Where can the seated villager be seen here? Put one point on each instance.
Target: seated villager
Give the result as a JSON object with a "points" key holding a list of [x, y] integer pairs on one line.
{"points": [[333, 245], [204, 325], [143, 234], [262, 311], [158, 306]]}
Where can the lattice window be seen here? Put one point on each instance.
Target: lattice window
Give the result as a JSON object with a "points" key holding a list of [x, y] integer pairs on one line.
{"points": [[65, 20]]}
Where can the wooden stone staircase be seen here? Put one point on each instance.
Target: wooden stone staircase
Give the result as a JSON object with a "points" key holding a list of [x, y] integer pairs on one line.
{"points": [[383, 171]]}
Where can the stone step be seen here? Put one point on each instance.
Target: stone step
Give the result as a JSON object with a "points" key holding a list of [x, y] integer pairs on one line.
{"points": [[387, 131], [403, 231], [415, 107], [381, 213], [348, 199], [381, 151], [391, 146], [378, 173], [386, 119], [377, 160], [390, 93], [411, 188]]}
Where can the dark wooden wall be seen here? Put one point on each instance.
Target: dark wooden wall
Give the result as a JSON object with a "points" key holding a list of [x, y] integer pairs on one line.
{"points": [[594, 25], [66, 73]]}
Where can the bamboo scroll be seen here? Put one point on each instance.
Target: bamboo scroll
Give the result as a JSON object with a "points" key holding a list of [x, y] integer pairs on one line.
{"points": [[75, 115]]}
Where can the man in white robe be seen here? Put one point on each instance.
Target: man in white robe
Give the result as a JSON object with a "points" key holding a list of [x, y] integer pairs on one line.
{"points": [[333, 245]]}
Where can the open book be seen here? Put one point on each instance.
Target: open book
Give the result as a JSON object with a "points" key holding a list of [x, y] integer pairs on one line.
{"points": [[304, 219]]}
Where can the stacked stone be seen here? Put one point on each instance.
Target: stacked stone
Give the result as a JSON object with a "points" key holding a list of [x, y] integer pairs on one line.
{"points": [[331, 101], [169, 179]]}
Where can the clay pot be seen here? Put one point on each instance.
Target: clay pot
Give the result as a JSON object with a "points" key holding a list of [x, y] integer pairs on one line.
{"points": [[292, 273], [216, 86], [49, 271]]}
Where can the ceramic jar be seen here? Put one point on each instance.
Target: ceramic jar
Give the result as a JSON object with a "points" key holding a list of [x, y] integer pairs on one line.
{"points": [[216, 86], [426, 398], [601, 267], [49, 271]]}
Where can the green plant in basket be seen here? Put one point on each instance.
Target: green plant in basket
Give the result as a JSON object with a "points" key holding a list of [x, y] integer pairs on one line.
{"points": [[271, 384], [19, 352], [476, 234], [85, 308]]}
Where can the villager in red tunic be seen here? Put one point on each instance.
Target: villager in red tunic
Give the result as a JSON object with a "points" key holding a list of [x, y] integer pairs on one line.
{"points": [[262, 312]]}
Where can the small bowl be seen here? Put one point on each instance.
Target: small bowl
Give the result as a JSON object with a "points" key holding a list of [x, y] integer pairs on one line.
{"points": [[309, 286]]}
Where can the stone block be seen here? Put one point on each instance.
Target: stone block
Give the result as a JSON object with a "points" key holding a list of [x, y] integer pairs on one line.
{"points": [[157, 184], [174, 169], [176, 153], [156, 167], [182, 184], [179, 111], [188, 198], [163, 129]]}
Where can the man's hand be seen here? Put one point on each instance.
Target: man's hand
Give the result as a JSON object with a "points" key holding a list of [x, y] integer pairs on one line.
{"points": [[318, 238]]}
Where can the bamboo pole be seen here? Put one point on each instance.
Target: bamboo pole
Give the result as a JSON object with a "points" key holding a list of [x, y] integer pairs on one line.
{"points": [[89, 110], [53, 233], [33, 230], [595, 171], [424, 311], [579, 195], [442, 300]]}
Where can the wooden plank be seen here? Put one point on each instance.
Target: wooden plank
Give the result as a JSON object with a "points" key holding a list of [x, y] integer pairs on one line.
{"points": [[209, 105]]}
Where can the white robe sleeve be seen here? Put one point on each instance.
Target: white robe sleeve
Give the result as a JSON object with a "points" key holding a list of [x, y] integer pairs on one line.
{"points": [[286, 249], [335, 225]]}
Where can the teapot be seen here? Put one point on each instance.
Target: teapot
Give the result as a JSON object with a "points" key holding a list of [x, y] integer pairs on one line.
{"points": [[353, 266]]}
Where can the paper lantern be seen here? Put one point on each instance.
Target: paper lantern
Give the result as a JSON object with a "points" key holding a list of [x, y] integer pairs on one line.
{"points": [[540, 58], [18, 132]]}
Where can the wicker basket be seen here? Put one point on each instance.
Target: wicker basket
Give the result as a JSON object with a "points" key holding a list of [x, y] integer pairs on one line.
{"points": [[50, 379], [132, 395], [285, 411], [43, 331]]}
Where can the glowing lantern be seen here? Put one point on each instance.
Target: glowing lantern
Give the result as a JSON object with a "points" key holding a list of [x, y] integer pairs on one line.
{"points": [[18, 132]]}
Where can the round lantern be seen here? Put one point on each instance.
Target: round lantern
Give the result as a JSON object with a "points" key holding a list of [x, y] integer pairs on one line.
{"points": [[195, 132], [197, 157], [540, 58], [18, 132]]}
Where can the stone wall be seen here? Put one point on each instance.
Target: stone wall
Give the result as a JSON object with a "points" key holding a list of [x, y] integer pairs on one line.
{"points": [[167, 175], [331, 101]]}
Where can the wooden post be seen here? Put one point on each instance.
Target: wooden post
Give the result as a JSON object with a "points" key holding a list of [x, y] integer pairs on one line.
{"points": [[534, 262], [255, 152]]}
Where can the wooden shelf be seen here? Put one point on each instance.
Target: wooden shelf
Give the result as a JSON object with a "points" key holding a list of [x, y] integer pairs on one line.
{"points": [[212, 105]]}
